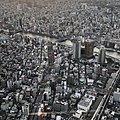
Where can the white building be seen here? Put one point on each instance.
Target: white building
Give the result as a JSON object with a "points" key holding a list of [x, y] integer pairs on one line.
{"points": [[84, 104], [90, 81], [78, 114], [58, 117], [25, 109]]}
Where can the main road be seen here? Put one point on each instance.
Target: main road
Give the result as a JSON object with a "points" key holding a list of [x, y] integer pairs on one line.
{"points": [[98, 114]]}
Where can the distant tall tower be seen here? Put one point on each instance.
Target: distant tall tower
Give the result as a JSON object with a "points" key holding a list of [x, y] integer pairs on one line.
{"points": [[50, 54], [77, 50], [102, 55]]}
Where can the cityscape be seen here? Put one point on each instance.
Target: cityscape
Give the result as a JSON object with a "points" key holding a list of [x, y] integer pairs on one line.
{"points": [[59, 59]]}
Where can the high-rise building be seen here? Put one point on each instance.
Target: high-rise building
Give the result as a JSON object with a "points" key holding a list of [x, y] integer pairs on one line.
{"points": [[102, 55], [89, 46], [51, 58], [77, 50]]}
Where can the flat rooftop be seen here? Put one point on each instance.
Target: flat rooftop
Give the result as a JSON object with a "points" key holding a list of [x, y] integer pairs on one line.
{"points": [[85, 101]]}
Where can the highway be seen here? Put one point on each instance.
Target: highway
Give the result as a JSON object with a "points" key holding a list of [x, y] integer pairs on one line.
{"points": [[36, 107], [98, 114]]}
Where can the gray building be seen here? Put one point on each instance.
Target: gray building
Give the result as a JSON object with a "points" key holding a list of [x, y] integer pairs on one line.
{"points": [[77, 50], [89, 46], [116, 96], [51, 58], [102, 55]]}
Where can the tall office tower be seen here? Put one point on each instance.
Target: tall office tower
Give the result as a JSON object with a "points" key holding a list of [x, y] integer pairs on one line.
{"points": [[102, 55], [89, 46], [51, 58], [77, 50]]}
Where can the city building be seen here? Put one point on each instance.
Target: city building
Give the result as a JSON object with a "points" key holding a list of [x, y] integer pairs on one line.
{"points": [[78, 114], [116, 96], [110, 45], [87, 48], [85, 104], [25, 109], [38, 76], [50, 54], [77, 50], [84, 6], [102, 55]]}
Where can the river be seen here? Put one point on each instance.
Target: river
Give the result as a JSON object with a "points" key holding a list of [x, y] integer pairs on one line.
{"points": [[69, 43]]}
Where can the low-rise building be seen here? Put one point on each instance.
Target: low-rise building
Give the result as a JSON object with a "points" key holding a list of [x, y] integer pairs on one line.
{"points": [[85, 104]]}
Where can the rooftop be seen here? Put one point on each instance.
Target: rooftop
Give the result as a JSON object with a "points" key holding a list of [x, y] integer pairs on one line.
{"points": [[85, 102]]}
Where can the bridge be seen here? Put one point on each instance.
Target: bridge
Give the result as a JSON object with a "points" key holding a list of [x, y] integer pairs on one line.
{"points": [[116, 41], [109, 56]]}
